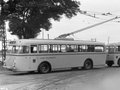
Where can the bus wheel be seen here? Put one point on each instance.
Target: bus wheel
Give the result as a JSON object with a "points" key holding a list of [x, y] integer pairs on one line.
{"points": [[44, 68], [88, 64], [109, 64], [119, 62]]}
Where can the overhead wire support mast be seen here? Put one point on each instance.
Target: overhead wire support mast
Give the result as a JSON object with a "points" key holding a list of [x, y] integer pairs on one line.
{"points": [[2, 29], [4, 44], [83, 29]]}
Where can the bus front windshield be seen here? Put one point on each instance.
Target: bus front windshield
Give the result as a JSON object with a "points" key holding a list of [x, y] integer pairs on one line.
{"points": [[18, 49]]}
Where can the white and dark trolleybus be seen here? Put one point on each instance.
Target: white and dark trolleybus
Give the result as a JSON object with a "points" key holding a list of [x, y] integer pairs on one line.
{"points": [[48, 55]]}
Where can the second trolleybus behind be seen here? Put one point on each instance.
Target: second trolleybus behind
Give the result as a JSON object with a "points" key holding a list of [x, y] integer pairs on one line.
{"points": [[113, 54]]}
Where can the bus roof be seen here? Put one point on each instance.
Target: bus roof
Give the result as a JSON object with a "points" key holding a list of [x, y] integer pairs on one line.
{"points": [[52, 41]]}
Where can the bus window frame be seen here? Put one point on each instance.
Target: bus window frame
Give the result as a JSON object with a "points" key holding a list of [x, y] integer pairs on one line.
{"points": [[23, 49], [40, 50], [111, 47], [36, 50], [63, 51], [71, 48], [117, 48], [90, 48], [102, 46], [10, 50], [83, 48], [51, 48]]}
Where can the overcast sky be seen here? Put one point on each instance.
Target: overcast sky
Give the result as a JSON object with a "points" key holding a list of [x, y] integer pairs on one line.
{"points": [[101, 33]]}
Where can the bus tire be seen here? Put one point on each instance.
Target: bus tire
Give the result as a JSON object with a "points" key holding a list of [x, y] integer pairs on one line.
{"points": [[44, 68], [110, 63], [118, 62], [88, 64]]}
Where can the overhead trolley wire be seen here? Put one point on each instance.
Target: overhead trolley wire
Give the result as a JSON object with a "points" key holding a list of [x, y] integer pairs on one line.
{"points": [[95, 15]]}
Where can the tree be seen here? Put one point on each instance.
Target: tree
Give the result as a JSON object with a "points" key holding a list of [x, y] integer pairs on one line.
{"points": [[27, 17]]}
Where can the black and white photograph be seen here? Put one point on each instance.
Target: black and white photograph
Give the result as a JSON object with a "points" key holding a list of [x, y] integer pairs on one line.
{"points": [[59, 45]]}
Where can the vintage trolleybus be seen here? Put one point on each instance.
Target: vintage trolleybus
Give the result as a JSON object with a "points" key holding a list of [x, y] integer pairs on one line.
{"points": [[113, 56], [48, 55]]}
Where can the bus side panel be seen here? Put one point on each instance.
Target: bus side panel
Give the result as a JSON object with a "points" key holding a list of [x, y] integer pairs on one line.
{"points": [[110, 57], [9, 60], [35, 61], [66, 61], [76, 60], [22, 63], [99, 59], [17, 63], [28, 63]]}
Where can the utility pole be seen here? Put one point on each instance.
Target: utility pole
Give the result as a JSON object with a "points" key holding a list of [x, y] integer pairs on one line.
{"points": [[108, 40], [48, 36], [42, 33], [4, 44], [3, 40], [2, 30]]}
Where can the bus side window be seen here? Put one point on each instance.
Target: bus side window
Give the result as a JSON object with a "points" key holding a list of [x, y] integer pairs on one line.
{"points": [[43, 48], [24, 49], [84, 48], [118, 48], [79, 48], [111, 49], [33, 48], [71, 48], [53, 48], [91, 48], [59, 48], [63, 48], [99, 48]]}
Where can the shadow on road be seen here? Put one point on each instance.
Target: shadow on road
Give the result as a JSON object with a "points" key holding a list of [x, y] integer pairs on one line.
{"points": [[58, 71]]}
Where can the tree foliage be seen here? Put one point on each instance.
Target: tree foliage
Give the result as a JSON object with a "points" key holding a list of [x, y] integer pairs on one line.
{"points": [[27, 17]]}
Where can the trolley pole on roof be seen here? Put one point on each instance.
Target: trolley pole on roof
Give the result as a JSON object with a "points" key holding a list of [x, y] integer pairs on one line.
{"points": [[83, 29]]}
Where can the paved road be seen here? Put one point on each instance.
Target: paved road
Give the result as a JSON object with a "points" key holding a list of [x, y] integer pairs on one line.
{"points": [[96, 79]]}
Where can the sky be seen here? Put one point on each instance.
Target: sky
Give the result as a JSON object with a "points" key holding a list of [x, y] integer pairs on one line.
{"points": [[107, 33]]}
